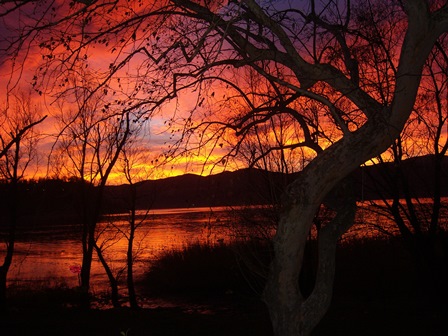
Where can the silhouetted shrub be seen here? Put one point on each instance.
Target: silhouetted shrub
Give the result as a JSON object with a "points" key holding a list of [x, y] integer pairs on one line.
{"points": [[201, 268]]}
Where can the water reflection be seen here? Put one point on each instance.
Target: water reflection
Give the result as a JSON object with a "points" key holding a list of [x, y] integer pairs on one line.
{"points": [[47, 254]]}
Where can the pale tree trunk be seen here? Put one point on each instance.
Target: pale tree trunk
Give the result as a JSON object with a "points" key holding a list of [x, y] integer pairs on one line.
{"points": [[292, 313], [317, 304]]}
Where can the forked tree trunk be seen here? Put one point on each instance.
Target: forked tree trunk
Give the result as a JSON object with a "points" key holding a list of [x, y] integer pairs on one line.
{"points": [[91, 207], [282, 293], [113, 282], [292, 313]]}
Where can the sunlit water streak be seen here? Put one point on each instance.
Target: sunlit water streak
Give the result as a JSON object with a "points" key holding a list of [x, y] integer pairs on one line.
{"points": [[47, 256]]}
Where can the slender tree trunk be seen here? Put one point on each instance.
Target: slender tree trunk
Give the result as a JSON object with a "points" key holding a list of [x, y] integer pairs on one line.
{"points": [[86, 242], [88, 245], [4, 271], [437, 204], [13, 219], [3, 277], [112, 279], [130, 255], [130, 271], [3, 287], [424, 245], [438, 237], [91, 207]]}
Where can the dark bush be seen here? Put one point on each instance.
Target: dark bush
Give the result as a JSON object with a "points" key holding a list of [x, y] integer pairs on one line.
{"points": [[202, 269]]}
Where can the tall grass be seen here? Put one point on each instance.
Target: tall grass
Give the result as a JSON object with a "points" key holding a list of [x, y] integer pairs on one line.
{"points": [[201, 269], [42, 294], [368, 266]]}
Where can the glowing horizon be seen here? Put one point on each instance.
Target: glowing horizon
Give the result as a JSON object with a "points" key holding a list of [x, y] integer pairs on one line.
{"points": [[130, 81]]}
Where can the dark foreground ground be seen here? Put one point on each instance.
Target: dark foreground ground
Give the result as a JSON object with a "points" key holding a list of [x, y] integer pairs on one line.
{"points": [[375, 294], [228, 316]]}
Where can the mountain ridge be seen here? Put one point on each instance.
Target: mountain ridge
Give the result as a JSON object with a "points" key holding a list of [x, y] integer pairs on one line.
{"points": [[250, 186]]}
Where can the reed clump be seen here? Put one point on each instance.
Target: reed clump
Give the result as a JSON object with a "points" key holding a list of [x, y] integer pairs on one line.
{"points": [[205, 268]]}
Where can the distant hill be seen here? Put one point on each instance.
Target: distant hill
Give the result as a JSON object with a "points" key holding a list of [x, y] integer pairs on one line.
{"points": [[254, 186], [241, 187], [378, 181], [56, 201]]}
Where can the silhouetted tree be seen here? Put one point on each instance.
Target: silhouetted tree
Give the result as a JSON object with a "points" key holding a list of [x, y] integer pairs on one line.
{"points": [[133, 157], [317, 54], [90, 143], [328, 56], [413, 200], [18, 141]]}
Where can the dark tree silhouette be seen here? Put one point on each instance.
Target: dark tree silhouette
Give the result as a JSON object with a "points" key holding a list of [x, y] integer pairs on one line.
{"points": [[327, 62], [18, 141], [88, 147], [407, 195]]}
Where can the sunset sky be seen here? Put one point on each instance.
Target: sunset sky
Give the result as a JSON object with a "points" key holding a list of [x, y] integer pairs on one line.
{"points": [[99, 96], [155, 139], [157, 136]]}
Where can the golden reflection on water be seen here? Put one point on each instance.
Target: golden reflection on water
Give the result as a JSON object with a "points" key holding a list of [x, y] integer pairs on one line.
{"points": [[47, 259]]}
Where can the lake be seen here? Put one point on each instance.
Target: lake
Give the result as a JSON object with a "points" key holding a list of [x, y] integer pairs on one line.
{"points": [[47, 254]]}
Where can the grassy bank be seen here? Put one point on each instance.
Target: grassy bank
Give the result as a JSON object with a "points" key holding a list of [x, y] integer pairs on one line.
{"points": [[208, 269], [369, 267], [377, 290], [215, 290]]}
